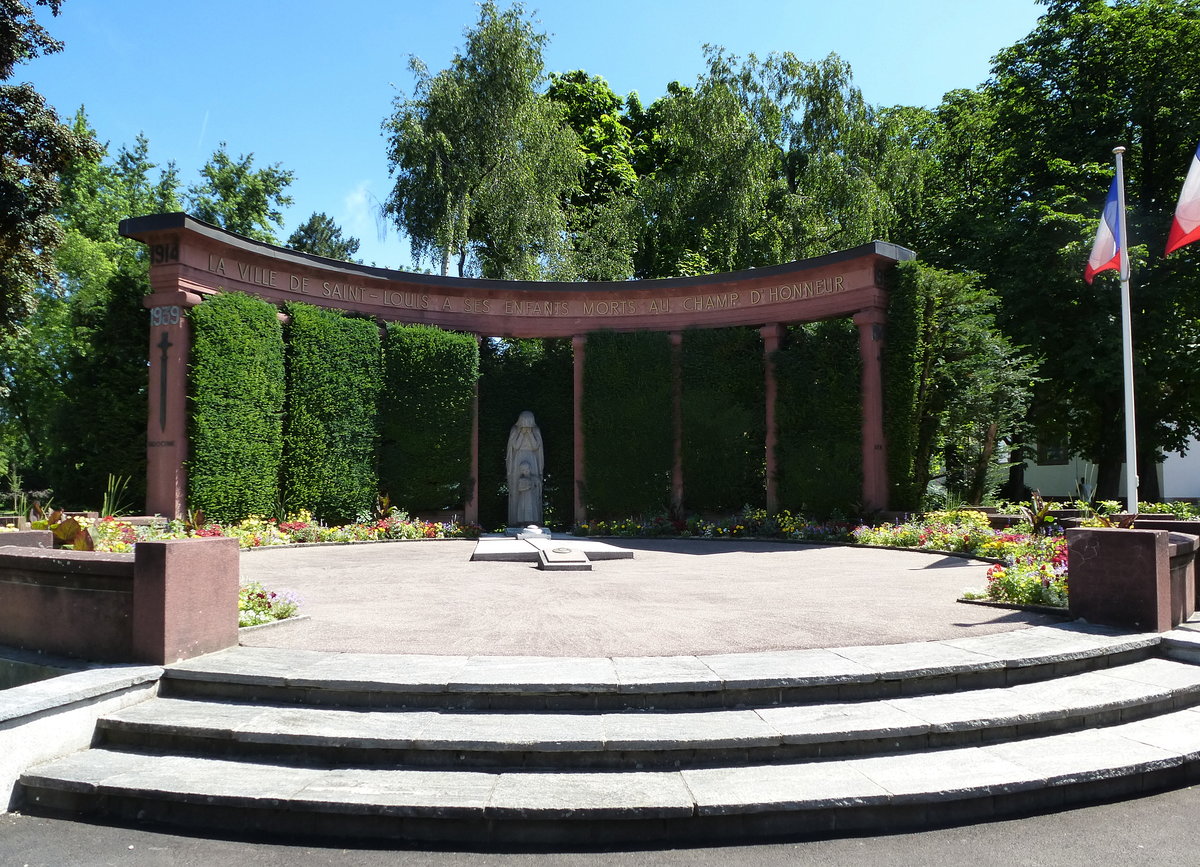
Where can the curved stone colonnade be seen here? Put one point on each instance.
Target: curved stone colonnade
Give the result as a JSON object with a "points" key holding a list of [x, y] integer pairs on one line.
{"points": [[190, 259]]}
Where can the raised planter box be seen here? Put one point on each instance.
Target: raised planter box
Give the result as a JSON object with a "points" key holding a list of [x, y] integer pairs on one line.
{"points": [[1138, 579], [167, 601], [28, 539]]}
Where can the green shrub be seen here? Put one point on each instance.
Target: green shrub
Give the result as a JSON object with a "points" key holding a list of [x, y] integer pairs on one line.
{"points": [[426, 412], [628, 432], [236, 400], [819, 415], [905, 361], [334, 374], [724, 419]]}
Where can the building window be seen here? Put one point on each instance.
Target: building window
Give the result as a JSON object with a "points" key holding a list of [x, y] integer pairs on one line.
{"points": [[1052, 454]]}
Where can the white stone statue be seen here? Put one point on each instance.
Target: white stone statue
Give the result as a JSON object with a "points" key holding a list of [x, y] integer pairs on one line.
{"points": [[524, 464]]}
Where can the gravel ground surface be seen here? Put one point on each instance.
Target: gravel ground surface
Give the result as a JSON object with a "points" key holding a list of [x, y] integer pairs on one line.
{"points": [[676, 597]]}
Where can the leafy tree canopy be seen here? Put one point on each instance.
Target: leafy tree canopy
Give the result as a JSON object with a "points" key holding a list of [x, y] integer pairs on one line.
{"points": [[236, 196], [484, 166], [321, 236], [75, 374], [34, 148], [1029, 160]]}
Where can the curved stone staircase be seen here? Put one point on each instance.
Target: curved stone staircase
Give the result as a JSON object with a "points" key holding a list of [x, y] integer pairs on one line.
{"points": [[549, 752]]}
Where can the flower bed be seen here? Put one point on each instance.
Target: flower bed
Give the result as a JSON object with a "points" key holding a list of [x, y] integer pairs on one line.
{"points": [[257, 605], [751, 523], [113, 534], [1032, 571], [1034, 567]]}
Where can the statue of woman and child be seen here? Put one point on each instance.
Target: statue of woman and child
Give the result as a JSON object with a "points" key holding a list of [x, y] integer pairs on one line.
{"points": [[524, 463]]}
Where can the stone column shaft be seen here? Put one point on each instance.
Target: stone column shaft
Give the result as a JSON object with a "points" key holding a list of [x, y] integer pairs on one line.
{"points": [[772, 336], [471, 507], [166, 424], [579, 349], [677, 424]]}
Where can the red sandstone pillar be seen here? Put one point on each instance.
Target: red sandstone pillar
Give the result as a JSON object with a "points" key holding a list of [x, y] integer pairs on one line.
{"points": [[185, 598], [578, 347], [471, 507], [874, 453], [166, 426], [677, 424], [772, 336]]}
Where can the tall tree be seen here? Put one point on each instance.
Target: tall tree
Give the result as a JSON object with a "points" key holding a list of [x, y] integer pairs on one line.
{"points": [[77, 375], [706, 206], [1090, 76], [34, 148], [236, 196], [840, 174], [601, 209], [765, 161], [484, 166], [321, 236]]}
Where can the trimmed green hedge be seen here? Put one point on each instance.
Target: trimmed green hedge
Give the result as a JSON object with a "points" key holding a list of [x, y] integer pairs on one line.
{"points": [[627, 423], [334, 375], [535, 375], [724, 422], [820, 419], [236, 418], [906, 365], [425, 416]]}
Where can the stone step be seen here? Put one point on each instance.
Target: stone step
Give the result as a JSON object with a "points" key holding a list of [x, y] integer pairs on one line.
{"points": [[680, 682], [637, 739], [822, 797]]}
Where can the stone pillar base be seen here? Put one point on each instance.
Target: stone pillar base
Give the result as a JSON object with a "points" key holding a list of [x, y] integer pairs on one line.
{"points": [[185, 598], [1134, 579]]}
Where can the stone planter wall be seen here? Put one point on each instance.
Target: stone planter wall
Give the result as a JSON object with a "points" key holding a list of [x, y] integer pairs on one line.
{"points": [[167, 601], [1134, 579]]}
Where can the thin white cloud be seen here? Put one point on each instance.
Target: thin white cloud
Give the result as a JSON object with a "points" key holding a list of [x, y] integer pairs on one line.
{"points": [[361, 212], [203, 130]]}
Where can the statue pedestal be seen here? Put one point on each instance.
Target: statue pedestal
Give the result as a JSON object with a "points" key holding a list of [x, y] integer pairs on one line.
{"points": [[531, 532]]}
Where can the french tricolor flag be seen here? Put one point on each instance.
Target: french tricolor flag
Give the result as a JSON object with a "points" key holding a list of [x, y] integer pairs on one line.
{"points": [[1106, 252], [1186, 227]]}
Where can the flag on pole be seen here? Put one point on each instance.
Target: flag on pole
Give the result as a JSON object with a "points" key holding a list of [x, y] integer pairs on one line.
{"points": [[1106, 251], [1186, 226]]}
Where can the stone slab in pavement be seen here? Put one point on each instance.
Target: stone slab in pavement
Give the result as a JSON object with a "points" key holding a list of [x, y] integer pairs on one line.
{"points": [[537, 732], [788, 668], [720, 791], [424, 792], [1177, 732], [562, 559], [923, 659], [1092, 754], [946, 774], [688, 730], [519, 674], [800, 724], [634, 794], [593, 548], [664, 674]]}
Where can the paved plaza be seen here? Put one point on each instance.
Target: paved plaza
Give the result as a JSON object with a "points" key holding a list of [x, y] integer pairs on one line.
{"points": [[676, 597]]}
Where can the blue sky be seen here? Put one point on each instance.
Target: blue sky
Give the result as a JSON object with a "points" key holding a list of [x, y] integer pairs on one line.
{"points": [[308, 84]]}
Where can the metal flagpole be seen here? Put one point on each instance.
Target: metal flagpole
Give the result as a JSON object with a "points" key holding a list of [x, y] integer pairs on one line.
{"points": [[1131, 468]]}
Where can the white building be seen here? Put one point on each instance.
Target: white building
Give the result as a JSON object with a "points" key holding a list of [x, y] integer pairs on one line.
{"points": [[1057, 475]]}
